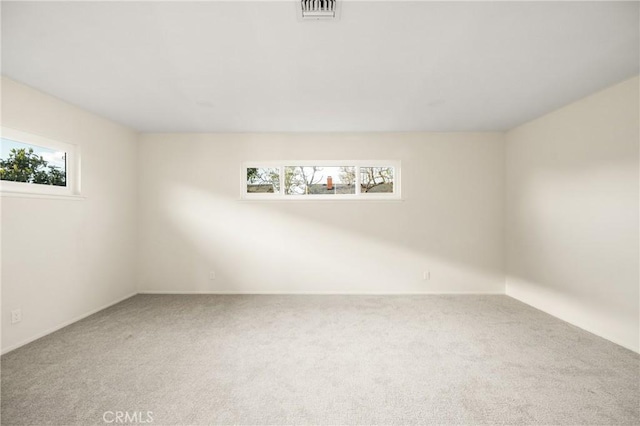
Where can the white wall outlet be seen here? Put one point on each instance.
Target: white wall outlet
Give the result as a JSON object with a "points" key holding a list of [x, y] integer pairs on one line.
{"points": [[212, 275], [426, 275], [16, 316]]}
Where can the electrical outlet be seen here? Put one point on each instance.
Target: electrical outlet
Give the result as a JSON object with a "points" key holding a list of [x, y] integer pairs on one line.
{"points": [[16, 316], [426, 275], [212, 275]]}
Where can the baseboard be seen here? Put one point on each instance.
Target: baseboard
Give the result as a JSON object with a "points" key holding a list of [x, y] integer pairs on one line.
{"points": [[235, 292], [328, 293], [64, 324], [573, 321]]}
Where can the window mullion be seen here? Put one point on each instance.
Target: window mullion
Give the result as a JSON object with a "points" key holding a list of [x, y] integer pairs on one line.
{"points": [[357, 167], [282, 180]]}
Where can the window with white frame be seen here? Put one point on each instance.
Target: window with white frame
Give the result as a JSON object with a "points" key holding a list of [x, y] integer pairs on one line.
{"points": [[326, 180], [37, 165]]}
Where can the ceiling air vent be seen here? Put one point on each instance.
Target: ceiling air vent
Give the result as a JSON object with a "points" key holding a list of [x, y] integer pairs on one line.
{"points": [[318, 9]]}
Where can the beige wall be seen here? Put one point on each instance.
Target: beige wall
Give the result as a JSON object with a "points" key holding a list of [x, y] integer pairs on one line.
{"points": [[450, 222], [62, 259], [572, 213]]}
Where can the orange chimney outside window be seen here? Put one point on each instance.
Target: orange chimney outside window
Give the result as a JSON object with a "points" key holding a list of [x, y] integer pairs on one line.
{"points": [[329, 182]]}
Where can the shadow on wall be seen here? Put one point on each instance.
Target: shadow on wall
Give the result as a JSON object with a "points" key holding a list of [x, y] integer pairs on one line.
{"points": [[300, 246]]}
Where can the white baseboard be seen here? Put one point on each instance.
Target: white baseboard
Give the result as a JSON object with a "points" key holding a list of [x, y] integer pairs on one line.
{"points": [[64, 324], [327, 293], [574, 315], [236, 292]]}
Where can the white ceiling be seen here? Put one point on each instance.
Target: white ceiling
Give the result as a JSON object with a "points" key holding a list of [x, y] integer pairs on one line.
{"points": [[384, 66]]}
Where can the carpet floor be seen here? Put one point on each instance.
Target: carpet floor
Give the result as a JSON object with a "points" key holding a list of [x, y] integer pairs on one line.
{"points": [[206, 359]]}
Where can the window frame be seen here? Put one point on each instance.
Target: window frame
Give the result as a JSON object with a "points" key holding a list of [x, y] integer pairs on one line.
{"points": [[72, 166], [360, 196]]}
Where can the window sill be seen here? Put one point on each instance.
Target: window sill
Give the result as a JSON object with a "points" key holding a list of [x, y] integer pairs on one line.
{"points": [[323, 200], [15, 194]]}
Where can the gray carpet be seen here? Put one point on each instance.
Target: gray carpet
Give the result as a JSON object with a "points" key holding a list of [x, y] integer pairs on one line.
{"points": [[321, 360]]}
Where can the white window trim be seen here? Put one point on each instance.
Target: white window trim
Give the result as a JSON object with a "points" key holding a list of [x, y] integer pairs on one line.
{"points": [[72, 189], [360, 196]]}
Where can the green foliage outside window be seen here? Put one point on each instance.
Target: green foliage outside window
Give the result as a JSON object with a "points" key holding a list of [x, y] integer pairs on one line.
{"points": [[23, 165]]}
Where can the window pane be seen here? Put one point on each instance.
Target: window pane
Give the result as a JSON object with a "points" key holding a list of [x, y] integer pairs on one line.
{"points": [[264, 180], [21, 162], [376, 179], [316, 180]]}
